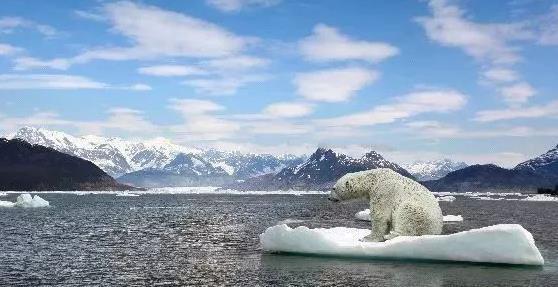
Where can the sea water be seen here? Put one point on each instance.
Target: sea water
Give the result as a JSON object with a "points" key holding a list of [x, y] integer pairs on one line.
{"points": [[210, 239]]}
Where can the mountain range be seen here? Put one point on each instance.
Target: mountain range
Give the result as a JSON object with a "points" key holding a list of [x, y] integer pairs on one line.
{"points": [[28, 167], [541, 171], [159, 163], [319, 171], [183, 170], [545, 164], [432, 170]]}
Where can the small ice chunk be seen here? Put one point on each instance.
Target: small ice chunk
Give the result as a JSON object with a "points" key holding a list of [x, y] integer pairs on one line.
{"points": [[26, 200], [365, 215], [503, 243], [448, 198], [453, 218], [127, 194], [541, 197], [3, 193], [6, 203]]}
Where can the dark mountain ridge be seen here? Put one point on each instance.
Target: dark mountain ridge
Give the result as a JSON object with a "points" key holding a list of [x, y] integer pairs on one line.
{"points": [[26, 167], [320, 171], [490, 178]]}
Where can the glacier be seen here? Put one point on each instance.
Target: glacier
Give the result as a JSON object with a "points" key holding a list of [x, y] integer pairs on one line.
{"points": [[499, 244], [26, 200]]}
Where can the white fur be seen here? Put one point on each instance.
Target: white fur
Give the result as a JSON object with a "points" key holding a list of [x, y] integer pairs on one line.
{"points": [[399, 205]]}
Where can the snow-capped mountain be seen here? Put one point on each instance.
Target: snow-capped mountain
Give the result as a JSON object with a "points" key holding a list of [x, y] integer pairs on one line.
{"points": [[435, 169], [545, 164], [246, 165], [113, 155], [183, 170], [320, 171], [118, 157]]}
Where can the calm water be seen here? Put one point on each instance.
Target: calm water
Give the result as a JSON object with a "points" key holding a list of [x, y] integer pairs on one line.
{"points": [[213, 240]]}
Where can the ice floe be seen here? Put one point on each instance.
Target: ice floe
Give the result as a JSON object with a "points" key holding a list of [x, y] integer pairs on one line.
{"points": [[540, 197], [448, 198], [127, 194], [453, 218], [365, 215], [503, 243], [26, 200]]}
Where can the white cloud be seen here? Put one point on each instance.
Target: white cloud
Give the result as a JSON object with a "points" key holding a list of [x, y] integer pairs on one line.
{"points": [[26, 63], [9, 24], [171, 70], [549, 28], [333, 85], [409, 105], [548, 110], [288, 109], [277, 128], [235, 63], [47, 81], [58, 82], [94, 16], [200, 122], [140, 87], [155, 33], [488, 42], [433, 129], [121, 119], [518, 93], [237, 5], [500, 75], [7, 49], [226, 85], [124, 119], [160, 32], [327, 44], [194, 107]]}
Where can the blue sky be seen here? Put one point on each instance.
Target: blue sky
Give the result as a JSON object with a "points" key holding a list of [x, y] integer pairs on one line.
{"points": [[468, 80]]}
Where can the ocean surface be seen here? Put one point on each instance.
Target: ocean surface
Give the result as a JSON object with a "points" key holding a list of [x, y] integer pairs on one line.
{"points": [[212, 240]]}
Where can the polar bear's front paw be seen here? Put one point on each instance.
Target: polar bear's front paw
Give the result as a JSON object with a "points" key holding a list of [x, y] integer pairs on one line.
{"points": [[391, 235], [372, 238]]}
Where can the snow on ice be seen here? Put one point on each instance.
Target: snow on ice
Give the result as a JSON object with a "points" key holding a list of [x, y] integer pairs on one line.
{"points": [[127, 194], [453, 218], [448, 198], [365, 215], [503, 243], [26, 200]]}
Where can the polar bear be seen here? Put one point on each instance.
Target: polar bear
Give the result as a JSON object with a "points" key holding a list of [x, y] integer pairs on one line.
{"points": [[398, 205]]}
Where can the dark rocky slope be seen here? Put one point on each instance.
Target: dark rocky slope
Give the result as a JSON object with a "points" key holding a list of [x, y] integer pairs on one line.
{"points": [[319, 172], [26, 167], [490, 178]]}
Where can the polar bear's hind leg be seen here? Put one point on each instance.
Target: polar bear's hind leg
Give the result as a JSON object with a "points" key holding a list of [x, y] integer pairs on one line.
{"points": [[413, 219]]}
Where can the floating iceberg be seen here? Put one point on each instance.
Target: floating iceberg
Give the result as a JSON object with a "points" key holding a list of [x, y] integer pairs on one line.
{"points": [[448, 198], [540, 197], [26, 200], [453, 218], [365, 215], [127, 194], [503, 244]]}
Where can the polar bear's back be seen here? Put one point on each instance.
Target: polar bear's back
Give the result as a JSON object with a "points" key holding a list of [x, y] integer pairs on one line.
{"points": [[384, 181]]}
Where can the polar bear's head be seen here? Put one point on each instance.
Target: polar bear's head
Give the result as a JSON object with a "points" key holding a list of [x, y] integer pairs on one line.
{"points": [[353, 186]]}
